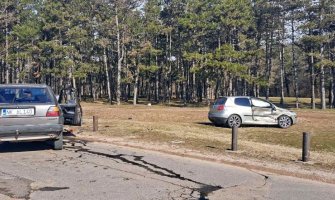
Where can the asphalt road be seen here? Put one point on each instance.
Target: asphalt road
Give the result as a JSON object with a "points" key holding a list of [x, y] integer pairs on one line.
{"points": [[104, 171]]}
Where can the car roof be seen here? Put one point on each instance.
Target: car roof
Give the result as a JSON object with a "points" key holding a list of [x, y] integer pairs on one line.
{"points": [[24, 85], [236, 97]]}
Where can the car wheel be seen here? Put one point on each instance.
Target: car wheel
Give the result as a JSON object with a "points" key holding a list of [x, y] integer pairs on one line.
{"points": [[234, 121], [284, 121], [58, 144]]}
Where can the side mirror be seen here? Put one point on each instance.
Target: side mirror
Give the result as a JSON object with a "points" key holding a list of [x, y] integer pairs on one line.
{"points": [[274, 108], [57, 97]]}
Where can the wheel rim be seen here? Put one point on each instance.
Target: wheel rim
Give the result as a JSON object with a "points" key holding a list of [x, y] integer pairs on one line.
{"points": [[234, 120], [284, 121]]}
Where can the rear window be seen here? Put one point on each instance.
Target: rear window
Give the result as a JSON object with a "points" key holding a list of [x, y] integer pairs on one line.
{"points": [[20, 95], [242, 102], [220, 101]]}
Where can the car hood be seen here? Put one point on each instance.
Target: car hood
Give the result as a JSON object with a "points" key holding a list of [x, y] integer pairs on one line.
{"points": [[285, 111]]}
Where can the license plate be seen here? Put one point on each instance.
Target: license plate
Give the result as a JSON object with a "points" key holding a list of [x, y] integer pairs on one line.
{"points": [[17, 112]]}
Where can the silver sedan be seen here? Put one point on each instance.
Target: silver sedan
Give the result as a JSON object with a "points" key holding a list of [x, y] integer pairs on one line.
{"points": [[30, 113], [238, 110]]}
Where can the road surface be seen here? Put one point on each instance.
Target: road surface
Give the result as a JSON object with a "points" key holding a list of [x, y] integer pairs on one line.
{"points": [[104, 171]]}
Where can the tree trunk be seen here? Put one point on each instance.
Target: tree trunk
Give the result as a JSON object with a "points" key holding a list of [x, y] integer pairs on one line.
{"points": [[295, 70], [333, 86], [7, 47], [17, 69], [136, 84], [119, 59], [282, 66], [331, 89], [170, 67], [323, 89], [268, 61], [107, 76], [282, 72], [312, 77], [156, 76], [188, 83], [322, 70], [230, 84]]}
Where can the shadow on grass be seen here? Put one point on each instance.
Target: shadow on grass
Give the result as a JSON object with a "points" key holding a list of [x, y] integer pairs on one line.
{"points": [[242, 126], [205, 123]]}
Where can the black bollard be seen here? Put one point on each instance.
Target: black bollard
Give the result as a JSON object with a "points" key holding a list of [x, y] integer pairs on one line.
{"points": [[305, 146]]}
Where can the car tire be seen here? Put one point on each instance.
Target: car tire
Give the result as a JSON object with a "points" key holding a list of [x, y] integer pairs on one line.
{"points": [[234, 121], [58, 144], [284, 121]]}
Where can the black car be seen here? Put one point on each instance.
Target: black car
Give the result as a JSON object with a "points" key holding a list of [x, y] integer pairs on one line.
{"points": [[70, 105]]}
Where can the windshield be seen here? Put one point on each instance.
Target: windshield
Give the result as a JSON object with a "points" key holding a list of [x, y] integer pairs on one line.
{"points": [[25, 95]]}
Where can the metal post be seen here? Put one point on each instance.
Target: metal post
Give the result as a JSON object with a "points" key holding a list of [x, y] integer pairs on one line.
{"points": [[305, 146], [234, 139], [95, 123]]}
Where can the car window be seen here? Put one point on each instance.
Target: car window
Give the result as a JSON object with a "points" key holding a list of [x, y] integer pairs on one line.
{"points": [[68, 96], [25, 95], [220, 101], [242, 102], [260, 103]]}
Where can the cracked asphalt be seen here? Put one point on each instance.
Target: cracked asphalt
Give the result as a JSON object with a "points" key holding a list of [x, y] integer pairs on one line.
{"points": [[105, 171]]}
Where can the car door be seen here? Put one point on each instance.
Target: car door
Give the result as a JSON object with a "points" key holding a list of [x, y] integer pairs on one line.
{"points": [[244, 109], [262, 111]]}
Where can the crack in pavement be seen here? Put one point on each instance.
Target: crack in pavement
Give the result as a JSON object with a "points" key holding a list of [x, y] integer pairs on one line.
{"points": [[204, 188], [50, 189], [266, 177]]}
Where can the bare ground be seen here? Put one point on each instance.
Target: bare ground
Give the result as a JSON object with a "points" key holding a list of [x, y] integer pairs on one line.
{"points": [[187, 132]]}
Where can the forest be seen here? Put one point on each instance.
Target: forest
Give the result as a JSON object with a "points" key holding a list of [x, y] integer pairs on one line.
{"points": [[190, 51]]}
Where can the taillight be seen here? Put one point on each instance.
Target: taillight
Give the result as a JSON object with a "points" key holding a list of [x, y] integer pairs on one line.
{"points": [[53, 112], [220, 107]]}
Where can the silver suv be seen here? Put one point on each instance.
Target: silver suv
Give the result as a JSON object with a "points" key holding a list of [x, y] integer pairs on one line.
{"points": [[30, 113], [237, 110]]}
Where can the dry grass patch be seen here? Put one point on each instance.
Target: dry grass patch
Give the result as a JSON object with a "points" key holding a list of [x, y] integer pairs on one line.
{"points": [[189, 128]]}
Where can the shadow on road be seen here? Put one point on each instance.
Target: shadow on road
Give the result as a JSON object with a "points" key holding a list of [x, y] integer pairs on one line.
{"points": [[8, 147]]}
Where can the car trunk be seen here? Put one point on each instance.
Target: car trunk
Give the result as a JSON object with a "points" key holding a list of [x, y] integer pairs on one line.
{"points": [[218, 105], [68, 108], [25, 115]]}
